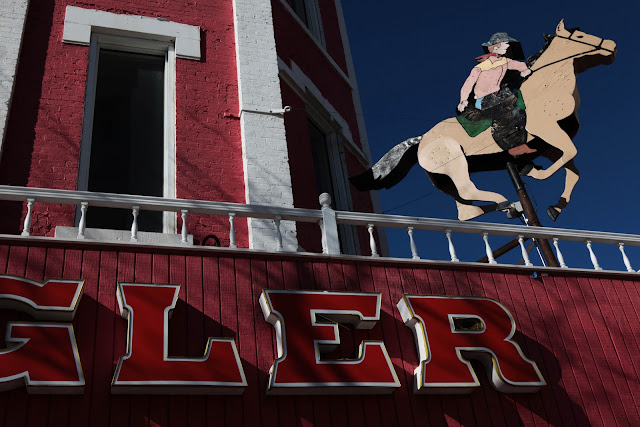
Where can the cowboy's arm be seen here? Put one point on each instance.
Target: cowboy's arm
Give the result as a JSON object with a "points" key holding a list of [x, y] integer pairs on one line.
{"points": [[467, 87], [518, 66]]}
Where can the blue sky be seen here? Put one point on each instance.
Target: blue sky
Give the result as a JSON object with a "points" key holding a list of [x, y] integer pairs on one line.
{"points": [[412, 57]]}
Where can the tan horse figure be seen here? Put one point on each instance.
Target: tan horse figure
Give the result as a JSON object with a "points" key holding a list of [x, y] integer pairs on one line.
{"points": [[448, 154]]}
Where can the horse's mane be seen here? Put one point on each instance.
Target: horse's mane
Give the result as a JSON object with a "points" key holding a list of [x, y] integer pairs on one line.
{"points": [[548, 38]]}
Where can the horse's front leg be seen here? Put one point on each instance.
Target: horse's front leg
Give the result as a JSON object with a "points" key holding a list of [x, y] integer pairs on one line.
{"points": [[573, 175], [551, 133]]}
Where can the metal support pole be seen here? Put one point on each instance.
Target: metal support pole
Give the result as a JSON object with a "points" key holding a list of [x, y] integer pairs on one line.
{"points": [[545, 247]]}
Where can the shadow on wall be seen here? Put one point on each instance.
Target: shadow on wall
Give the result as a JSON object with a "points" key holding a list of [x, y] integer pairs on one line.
{"points": [[17, 160], [25, 104], [219, 298]]}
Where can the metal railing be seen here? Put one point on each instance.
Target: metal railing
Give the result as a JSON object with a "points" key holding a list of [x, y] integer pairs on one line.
{"points": [[327, 218], [86, 199], [485, 230]]}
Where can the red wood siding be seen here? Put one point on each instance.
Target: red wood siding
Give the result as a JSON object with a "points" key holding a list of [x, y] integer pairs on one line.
{"points": [[581, 330]]}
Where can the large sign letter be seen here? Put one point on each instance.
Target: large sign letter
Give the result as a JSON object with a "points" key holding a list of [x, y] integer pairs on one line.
{"points": [[147, 367], [451, 330], [44, 356], [306, 325]]}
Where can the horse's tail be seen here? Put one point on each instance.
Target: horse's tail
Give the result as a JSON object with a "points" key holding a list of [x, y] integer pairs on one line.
{"points": [[391, 168]]}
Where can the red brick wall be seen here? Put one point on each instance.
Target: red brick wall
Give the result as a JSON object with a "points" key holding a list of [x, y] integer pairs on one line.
{"points": [[331, 30], [580, 329], [294, 44], [42, 143]]}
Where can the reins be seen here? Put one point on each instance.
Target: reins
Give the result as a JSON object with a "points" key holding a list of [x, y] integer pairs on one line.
{"points": [[598, 47]]}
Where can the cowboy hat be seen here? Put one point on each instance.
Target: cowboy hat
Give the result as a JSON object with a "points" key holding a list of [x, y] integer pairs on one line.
{"points": [[515, 48]]}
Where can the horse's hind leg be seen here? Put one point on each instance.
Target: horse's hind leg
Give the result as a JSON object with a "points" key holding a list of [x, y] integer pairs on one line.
{"points": [[450, 161], [457, 170], [466, 209]]}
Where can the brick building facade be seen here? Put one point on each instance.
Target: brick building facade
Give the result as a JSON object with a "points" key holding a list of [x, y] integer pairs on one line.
{"points": [[230, 68], [228, 118]]}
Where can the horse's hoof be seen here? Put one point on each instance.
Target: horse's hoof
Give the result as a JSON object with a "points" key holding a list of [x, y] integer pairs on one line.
{"points": [[553, 213], [503, 205], [513, 213]]}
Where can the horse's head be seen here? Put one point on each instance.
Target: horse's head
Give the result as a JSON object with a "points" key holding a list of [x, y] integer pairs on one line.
{"points": [[586, 50]]}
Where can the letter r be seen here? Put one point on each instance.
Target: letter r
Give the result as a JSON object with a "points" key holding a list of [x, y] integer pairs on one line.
{"points": [[450, 330]]}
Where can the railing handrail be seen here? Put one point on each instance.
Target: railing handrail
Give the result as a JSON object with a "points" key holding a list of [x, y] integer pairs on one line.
{"points": [[326, 217], [436, 224], [152, 203], [112, 200]]}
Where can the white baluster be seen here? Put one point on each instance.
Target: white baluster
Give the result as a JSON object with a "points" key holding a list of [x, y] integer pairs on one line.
{"points": [[323, 238], [134, 226], [372, 241], [232, 230], [329, 225], [26, 228], [276, 221], [82, 226], [185, 232], [452, 250], [525, 254], [412, 244], [592, 255], [485, 237], [626, 261], [558, 253]]}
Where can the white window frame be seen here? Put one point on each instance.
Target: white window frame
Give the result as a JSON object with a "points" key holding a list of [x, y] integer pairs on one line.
{"points": [[148, 47], [339, 176], [315, 28], [315, 21]]}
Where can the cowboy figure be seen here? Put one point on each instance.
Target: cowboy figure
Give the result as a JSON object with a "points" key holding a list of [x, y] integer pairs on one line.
{"points": [[495, 102], [485, 78]]}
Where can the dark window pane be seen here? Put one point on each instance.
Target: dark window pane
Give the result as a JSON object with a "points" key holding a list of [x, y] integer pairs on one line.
{"points": [[321, 163], [127, 142], [300, 9]]}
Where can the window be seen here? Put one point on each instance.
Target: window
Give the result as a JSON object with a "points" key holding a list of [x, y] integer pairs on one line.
{"points": [[309, 13], [321, 163], [128, 139], [330, 178], [128, 133]]}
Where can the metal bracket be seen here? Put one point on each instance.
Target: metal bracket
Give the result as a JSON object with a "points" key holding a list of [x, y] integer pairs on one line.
{"points": [[274, 111]]}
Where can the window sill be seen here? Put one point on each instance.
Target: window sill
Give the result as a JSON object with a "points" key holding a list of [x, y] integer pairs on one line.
{"points": [[104, 235]]}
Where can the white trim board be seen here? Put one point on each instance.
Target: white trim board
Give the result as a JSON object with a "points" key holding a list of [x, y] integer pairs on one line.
{"points": [[265, 156], [12, 24], [319, 44], [80, 23], [362, 128]]}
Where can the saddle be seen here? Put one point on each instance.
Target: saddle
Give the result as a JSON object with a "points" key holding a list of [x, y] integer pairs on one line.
{"points": [[504, 112]]}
